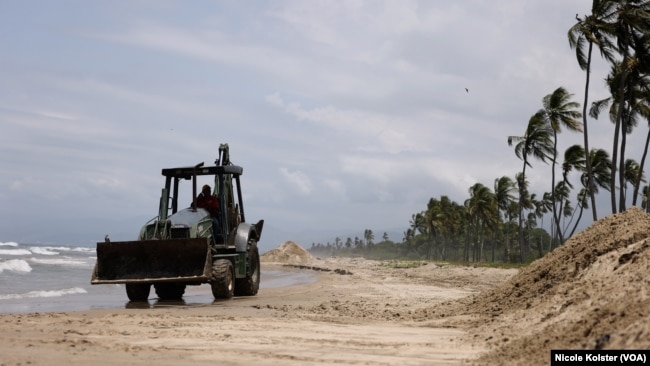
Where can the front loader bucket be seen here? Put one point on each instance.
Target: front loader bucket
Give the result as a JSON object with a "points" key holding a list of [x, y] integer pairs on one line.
{"points": [[152, 261]]}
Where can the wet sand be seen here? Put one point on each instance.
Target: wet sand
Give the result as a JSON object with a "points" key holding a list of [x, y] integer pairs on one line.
{"points": [[114, 296]]}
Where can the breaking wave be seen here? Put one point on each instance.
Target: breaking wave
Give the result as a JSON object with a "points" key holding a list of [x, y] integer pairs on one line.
{"points": [[69, 262], [15, 265], [43, 293], [43, 251], [15, 252]]}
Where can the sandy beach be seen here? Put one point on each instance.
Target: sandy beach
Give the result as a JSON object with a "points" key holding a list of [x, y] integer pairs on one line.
{"points": [[591, 293], [356, 312]]}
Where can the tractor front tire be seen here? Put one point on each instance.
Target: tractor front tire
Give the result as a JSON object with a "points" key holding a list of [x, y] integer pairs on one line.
{"points": [[138, 291], [222, 279], [249, 285]]}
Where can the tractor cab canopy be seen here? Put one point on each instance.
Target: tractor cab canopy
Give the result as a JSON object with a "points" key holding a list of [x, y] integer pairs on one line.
{"points": [[226, 187], [190, 171]]}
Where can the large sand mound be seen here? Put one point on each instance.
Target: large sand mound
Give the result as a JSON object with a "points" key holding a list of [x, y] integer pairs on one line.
{"points": [[288, 253], [591, 293]]}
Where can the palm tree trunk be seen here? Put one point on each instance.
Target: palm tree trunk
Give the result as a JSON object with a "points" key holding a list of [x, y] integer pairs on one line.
{"points": [[520, 229], [494, 247], [621, 173], [586, 136], [506, 247], [467, 240], [617, 129], [637, 184], [556, 219], [475, 242], [578, 220], [612, 178]]}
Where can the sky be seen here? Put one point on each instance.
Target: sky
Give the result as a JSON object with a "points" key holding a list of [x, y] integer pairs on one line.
{"points": [[345, 115]]}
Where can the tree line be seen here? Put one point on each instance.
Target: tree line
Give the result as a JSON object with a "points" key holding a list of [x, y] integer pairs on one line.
{"points": [[502, 221]]}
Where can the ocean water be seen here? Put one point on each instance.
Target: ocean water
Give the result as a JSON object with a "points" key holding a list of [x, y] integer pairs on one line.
{"points": [[42, 278]]}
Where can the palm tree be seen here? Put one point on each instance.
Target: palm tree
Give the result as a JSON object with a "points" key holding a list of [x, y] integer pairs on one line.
{"points": [[503, 195], [641, 92], [645, 201], [512, 214], [592, 29], [583, 203], [541, 209], [631, 24], [434, 222], [574, 160], [633, 172], [645, 111], [561, 195], [560, 112], [450, 218], [370, 237], [630, 111], [535, 142], [601, 169], [481, 209]]}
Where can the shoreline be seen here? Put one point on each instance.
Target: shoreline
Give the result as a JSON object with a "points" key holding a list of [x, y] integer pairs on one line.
{"points": [[98, 297]]}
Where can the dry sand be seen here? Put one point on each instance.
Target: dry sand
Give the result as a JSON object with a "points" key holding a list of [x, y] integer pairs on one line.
{"points": [[590, 293]]}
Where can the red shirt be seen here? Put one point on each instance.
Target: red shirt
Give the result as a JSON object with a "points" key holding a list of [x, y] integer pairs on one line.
{"points": [[210, 203]]}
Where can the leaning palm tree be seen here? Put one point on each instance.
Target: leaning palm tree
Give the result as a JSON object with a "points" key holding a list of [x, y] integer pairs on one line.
{"points": [[560, 112], [535, 142], [593, 29], [503, 193], [602, 167], [574, 159], [561, 196], [583, 204]]}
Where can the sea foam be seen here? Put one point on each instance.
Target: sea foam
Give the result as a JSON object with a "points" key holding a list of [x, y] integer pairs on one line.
{"points": [[15, 265], [15, 252], [9, 244], [42, 293], [68, 262], [44, 250]]}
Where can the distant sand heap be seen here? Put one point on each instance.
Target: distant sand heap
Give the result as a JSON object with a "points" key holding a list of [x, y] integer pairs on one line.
{"points": [[289, 253]]}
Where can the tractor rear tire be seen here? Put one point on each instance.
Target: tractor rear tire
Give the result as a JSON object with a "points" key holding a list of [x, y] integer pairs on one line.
{"points": [[249, 285], [138, 291], [170, 291], [222, 279]]}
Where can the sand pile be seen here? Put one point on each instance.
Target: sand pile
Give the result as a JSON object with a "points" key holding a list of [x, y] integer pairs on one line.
{"points": [[289, 253], [591, 293]]}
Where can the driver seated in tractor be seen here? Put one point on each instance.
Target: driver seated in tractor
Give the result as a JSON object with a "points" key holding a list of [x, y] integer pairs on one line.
{"points": [[207, 201]]}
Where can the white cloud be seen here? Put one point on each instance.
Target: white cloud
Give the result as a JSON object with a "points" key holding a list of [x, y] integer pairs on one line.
{"points": [[298, 180], [368, 131]]}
